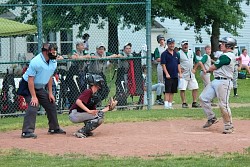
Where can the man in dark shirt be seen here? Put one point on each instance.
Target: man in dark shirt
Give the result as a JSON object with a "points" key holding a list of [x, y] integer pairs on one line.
{"points": [[171, 67]]}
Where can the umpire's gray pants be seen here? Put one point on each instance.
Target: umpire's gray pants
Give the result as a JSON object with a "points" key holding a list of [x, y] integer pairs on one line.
{"points": [[220, 89], [30, 115], [80, 117]]}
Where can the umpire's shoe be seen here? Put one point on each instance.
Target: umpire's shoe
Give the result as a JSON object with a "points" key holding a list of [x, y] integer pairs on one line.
{"points": [[56, 131], [28, 135], [210, 122]]}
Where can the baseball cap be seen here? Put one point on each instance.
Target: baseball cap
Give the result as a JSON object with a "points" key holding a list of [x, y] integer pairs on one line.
{"points": [[100, 45], [170, 40], [128, 44], [184, 41]]}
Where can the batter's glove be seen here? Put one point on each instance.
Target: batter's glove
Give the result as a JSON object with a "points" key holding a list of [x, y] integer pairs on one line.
{"points": [[112, 103]]}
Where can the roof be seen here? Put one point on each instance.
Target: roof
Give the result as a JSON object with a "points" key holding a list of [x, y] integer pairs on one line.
{"points": [[10, 28]]}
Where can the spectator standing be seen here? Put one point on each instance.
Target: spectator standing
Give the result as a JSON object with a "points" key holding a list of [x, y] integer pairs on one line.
{"points": [[171, 67], [187, 60]]}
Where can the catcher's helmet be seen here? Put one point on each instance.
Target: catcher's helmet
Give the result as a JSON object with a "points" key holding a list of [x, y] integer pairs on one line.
{"points": [[95, 79], [159, 37], [229, 42]]}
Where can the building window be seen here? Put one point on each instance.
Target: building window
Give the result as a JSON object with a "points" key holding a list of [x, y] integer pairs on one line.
{"points": [[202, 49], [240, 48], [32, 44], [66, 41]]}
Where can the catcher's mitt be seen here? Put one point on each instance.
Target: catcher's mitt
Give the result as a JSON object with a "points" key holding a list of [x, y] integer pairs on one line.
{"points": [[112, 103]]}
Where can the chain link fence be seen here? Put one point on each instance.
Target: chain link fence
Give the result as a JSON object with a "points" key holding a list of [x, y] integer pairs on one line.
{"points": [[113, 34]]}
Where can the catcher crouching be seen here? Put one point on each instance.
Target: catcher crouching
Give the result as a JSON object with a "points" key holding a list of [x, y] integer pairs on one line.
{"points": [[84, 109]]}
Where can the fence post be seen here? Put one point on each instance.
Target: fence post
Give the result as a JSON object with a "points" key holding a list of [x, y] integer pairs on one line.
{"points": [[148, 41], [39, 24]]}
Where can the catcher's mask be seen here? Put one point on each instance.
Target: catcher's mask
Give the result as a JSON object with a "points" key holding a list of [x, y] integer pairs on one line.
{"points": [[51, 49], [95, 79]]}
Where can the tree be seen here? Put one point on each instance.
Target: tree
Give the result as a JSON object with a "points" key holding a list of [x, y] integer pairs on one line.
{"points": [[65, 16], [210, 15]]}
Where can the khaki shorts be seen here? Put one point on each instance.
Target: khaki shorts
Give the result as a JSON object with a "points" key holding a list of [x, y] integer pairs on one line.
{"points": [[188, 84]]}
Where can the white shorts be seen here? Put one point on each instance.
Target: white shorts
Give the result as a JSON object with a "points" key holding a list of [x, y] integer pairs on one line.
{"points": [[188, 84]]}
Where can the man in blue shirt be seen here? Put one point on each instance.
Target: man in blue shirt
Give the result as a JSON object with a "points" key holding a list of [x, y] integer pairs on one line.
{"points": [[171, 67], [32, 87]]}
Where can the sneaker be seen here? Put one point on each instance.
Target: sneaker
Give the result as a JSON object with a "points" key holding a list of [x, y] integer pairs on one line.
{"points": [[57, 131], [28, 135], [195, 105], [236, 95], [159, 102], [166, 107], [228, 129], [213, 104], [210, 122], [184, 105]]}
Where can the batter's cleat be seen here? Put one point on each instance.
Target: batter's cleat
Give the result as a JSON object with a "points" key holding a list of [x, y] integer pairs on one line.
{"points": [[56, 131], [210, 122], [196, 105], [228, 129], [184, 105], [28, 135]]}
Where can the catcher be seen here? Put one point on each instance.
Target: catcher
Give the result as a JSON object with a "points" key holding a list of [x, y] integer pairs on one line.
{"points": [[84, 109]]}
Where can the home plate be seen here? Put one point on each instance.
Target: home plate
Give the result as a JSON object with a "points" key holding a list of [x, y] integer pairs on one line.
{"points": [[198, 133]]}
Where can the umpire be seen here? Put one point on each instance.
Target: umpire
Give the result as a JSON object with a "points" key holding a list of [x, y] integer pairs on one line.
{"points": [[32, 87]]}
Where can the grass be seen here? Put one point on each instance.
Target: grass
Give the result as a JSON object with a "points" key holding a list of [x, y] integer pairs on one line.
{"points": [[14, 157]]}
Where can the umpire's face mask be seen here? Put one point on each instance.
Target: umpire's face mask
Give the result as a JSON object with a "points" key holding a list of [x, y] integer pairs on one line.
{"points": [[52, 54]]}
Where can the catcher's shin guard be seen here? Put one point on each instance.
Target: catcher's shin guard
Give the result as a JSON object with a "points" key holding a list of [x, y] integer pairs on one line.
{"points": [[91, 125]]}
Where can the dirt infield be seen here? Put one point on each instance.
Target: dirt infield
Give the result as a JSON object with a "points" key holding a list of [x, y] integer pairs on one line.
{"points": [[140, 139]]}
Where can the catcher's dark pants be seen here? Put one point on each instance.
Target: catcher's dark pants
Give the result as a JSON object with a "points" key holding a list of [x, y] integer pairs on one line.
{"points": [[30, 116]]}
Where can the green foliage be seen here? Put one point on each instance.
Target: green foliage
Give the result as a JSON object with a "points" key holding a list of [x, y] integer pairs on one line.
{"points": [[210, 15]]}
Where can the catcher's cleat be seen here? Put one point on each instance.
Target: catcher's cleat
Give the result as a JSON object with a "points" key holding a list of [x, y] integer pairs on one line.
{"points": [[28, 135], [80, 135], [210, 122], [228, 129]]}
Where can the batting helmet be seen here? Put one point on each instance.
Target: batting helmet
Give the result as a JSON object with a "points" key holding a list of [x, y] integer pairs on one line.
{"points": [[95, 79], [229, 42], [160, 37]]}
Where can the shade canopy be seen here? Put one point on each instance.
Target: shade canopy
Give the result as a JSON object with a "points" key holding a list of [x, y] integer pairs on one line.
{"points": [[9, 28]]}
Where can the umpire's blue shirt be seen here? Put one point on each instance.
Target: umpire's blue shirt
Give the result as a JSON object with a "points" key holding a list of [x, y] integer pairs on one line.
{"points": [[171, 62], [41, 70]]}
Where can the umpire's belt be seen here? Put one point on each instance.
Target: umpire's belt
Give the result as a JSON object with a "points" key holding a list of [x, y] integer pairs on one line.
{"points": [[221, 78]]}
